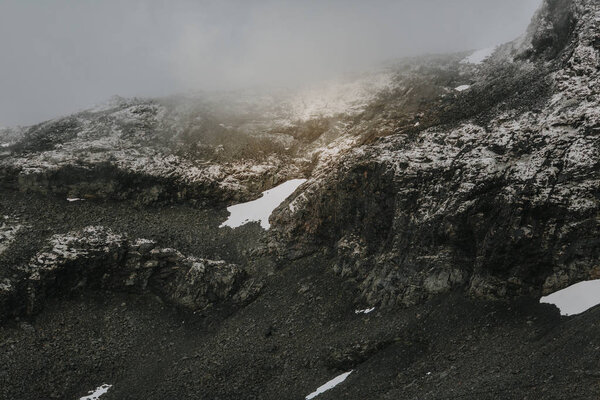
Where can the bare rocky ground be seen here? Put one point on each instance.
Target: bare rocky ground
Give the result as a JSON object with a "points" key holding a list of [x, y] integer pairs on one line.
{"points": [[450, 212], [300, 332]]}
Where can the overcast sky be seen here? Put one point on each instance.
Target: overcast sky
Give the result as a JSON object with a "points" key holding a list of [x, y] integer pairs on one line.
{"points": [[59, 56]]}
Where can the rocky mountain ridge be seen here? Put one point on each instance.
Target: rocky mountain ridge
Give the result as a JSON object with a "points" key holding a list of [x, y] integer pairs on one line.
{"points": [[502, 202]]}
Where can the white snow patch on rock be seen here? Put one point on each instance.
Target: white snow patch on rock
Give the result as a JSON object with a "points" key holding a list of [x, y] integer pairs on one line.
{"points": [[72, 199], [95, 394], [329, 385], [261, 208], [479, 56], [576, 298], [365, 311], [462, 88]]}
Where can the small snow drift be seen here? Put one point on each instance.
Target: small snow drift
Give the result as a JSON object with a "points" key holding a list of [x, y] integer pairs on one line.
{"points": [[95, 394], [365, 311], [479, 56], [261, 208], [576, 298], [462, 88], [72, 199], [329, 385]]}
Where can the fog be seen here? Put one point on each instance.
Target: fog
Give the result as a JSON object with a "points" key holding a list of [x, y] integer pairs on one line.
{"points": [[61, 56]]}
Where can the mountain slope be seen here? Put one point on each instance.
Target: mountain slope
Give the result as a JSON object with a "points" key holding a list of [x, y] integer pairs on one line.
{"points": [[443, 198], [499, 198]]}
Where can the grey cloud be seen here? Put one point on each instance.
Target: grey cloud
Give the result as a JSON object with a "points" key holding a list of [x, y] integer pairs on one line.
{"points": [[60, 56]]}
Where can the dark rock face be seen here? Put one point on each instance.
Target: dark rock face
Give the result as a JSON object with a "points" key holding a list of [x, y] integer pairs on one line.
{"points": [[501, 206], [96, 258], [553, 28]]}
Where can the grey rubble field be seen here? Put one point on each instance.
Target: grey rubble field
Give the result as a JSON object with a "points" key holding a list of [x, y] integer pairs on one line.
{"points": [[451, 212]]}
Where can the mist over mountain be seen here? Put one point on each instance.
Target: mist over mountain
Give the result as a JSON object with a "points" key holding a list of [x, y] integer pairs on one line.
{"points": [[62, 56]]}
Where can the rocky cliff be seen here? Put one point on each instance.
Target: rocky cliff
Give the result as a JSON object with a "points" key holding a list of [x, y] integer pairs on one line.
{"points": [[97, 258], [499, 197]]}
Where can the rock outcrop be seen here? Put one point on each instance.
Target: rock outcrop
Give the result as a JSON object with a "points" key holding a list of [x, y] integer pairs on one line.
{"points": [[210, 148], [97, 258], [500, 197], [138, 150]]}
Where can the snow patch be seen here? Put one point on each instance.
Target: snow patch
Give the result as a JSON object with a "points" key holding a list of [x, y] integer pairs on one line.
{"points": [[576, 298], [72, 199], [261, 208], [462, 88], [4, 145], [479, 56], [95, 394], [365, 311], [329, 385], [141, 241]]}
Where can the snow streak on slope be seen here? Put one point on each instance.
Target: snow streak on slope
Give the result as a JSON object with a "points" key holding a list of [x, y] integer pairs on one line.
{"points": [[576, 298], [365, 311], [261, 208], [95, 394], [479, 56], [329, 385]]}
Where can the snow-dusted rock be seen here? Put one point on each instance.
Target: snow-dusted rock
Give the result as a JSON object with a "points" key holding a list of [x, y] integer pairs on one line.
{"points": [[212, 147], [498, 197], [97, 258]]}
